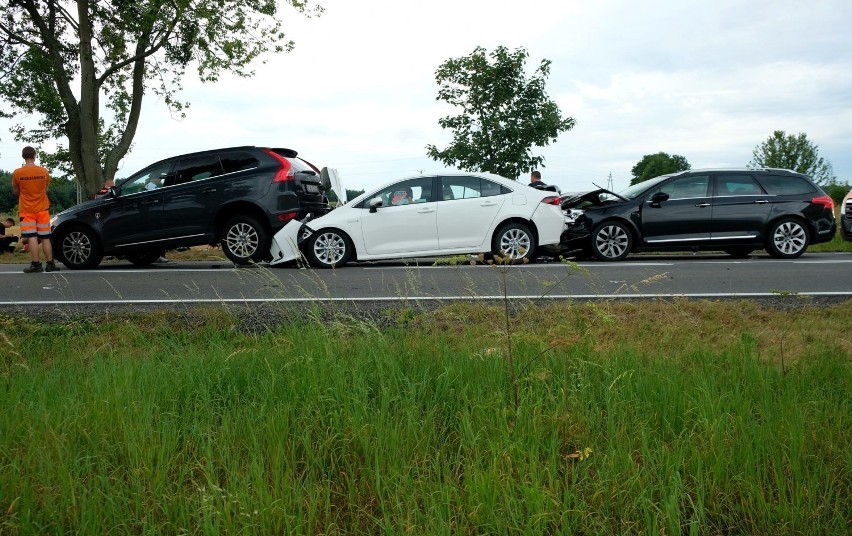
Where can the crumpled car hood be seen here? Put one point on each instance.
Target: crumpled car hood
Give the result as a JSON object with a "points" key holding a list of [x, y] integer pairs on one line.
{"points": [[593, 198]]}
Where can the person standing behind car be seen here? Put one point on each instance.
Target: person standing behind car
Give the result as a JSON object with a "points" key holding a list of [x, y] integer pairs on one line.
{"points": [[29, 183], [535, 180]]}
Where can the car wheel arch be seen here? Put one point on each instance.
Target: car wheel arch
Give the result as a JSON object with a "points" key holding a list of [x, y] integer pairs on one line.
{"points": [[523, 221], [346, 235], [226, 212]]}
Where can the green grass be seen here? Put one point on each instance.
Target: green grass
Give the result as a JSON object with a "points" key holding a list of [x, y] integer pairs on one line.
{"points": [[652, 418]]}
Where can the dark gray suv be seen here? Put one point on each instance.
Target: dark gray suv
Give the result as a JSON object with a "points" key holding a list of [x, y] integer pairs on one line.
{"points": [[238, 197]]}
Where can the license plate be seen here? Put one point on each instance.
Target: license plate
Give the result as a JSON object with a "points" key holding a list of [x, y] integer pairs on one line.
{"points": [[312, 188]]}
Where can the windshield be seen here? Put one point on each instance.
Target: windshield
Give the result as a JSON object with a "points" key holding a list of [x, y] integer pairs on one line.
{"points": [[636, 190]]}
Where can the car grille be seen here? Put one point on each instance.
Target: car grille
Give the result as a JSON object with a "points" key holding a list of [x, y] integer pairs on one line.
{"points": [[849, 209]]}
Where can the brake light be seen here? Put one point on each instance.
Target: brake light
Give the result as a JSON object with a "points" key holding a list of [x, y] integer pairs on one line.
{"points": [[552, 200], [825, 201], [287, 216], [285, 172]]}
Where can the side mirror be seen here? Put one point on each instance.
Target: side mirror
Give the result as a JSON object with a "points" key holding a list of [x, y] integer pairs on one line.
{"points": [[112, 192], [375, 203], [658, 198]]}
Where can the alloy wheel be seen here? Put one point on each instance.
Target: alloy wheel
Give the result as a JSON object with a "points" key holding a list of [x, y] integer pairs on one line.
{"points": [[242, 239], [612, 241], [790, 238], [329, 248]]}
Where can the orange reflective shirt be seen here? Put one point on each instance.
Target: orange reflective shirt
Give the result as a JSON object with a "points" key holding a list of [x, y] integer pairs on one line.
{"points": [[31, 181]]}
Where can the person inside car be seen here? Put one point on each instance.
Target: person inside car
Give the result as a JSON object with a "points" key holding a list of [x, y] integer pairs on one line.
{"points": [[402, 196]]}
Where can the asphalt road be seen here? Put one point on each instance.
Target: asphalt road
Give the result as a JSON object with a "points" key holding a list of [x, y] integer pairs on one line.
{"points": [[176, 283]]}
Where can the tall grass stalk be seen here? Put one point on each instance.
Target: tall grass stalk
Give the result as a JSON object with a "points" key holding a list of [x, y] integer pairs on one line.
{"points": [[644, 418]]}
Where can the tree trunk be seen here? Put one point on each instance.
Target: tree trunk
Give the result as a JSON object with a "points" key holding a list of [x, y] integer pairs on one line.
{"points": [[90, 175]]}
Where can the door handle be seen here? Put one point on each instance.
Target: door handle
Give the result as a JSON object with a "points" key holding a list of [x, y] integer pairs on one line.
{"points": [[152, 202], [487, 204], [425, 210], [209, 191], [761, 202], [702, 205]]}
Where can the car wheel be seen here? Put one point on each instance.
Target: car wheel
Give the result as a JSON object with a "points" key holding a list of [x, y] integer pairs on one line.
{"points": [[788, 239], [143, 258], [245, 240], [515, 241], [77, 248], [611, 241], [738, 253], [329, 248]]}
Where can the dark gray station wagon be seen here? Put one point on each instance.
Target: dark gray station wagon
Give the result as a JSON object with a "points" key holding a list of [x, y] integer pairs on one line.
{"points": [[735, 211], [238, 197]]}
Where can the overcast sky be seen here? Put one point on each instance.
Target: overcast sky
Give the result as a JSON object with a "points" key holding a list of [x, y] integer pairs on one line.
{"points": [[705, 80]]}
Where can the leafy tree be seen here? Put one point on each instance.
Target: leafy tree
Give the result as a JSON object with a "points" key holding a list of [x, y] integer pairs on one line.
{"points": [[503, 115], [796, 153], [654, 165], [114, 51]]}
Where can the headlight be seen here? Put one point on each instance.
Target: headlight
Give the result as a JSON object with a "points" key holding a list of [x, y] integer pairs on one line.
{"points": [[572, 214]]}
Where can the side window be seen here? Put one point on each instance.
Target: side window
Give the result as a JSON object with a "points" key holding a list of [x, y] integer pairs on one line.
{"points": [[232, 162], [687, 187], [465, 187], [460, 188], [148, 179], [407, 192], [786, 185], [738, 184], [196, 169]]}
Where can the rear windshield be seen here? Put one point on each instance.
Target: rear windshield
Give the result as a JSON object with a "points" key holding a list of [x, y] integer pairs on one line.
{"points": [[786, 184]]}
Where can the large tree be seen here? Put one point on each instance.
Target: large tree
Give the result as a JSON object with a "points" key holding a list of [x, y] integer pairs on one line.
{"points": [[82, 67], [503, 114], [654, 165], [796, 153]]}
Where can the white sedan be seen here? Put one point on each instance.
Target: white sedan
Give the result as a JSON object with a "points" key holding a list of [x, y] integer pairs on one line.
{"points": [[427, 216]]}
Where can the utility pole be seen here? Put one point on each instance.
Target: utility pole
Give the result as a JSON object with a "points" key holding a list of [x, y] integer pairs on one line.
{"points": [[609, 182]]}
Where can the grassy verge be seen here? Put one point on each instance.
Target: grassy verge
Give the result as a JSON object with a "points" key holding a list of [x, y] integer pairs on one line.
{"points": [[651, 418]]}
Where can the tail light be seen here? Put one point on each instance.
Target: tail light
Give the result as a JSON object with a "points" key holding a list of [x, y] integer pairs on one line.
{"points": [[825, 201], [552, 200], [285, 172], [287, 216]]}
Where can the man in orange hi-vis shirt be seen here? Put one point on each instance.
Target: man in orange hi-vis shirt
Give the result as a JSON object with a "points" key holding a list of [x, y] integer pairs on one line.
{"points": [[30, 182]]}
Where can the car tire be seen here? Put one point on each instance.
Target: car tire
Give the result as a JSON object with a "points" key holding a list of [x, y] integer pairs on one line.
{"points": [[514, 240], [611, 241], [78, 248], [738, 252], [788, 239], [329, 248], [244, 240], [143, 258]]}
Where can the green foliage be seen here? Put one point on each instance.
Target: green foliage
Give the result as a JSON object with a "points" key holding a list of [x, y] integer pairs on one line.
{"points": [[118, 51], [794, 152], [503, 115], [654, 165], [837, 190]]}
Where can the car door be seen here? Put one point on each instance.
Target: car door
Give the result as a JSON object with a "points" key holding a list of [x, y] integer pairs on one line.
{"points": [[684, 214], [403, 223], [191, 196], [132, 218], [740, 208], [467, 208]]}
